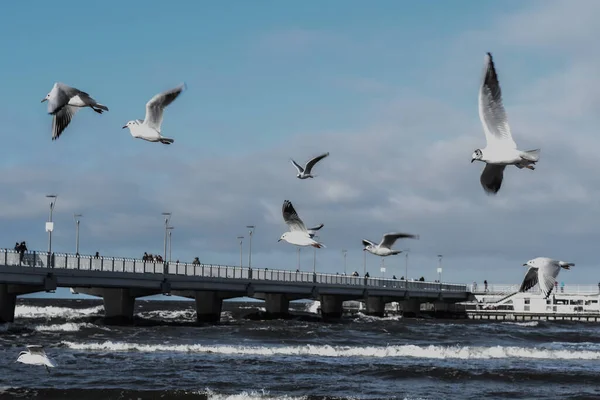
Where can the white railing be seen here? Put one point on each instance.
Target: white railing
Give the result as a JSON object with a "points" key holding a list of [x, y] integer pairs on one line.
{"points": [[502, 290], [117, 264]]}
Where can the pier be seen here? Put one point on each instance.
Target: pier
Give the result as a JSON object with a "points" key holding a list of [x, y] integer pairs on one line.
{"points": [[119, 281]]}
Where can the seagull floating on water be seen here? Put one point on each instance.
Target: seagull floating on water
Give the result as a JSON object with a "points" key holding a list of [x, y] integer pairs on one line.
{"points": [[384, 248], [149, 128], [501, 150], [35, 355], [304, 173], [298, 234], [543, 271], [63, 102]]}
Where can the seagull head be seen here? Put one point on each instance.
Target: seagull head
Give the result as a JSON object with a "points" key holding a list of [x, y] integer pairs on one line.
{"points": [[46, 98], [282, 237], [477, 155], [130, 123], [530, 263]]}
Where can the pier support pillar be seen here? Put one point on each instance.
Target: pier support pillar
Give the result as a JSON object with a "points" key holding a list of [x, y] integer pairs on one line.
{"points": [[331, 306], [411, 308], [375, 306], [208, 306], [118, 304], [277, 304], [7, 304]]}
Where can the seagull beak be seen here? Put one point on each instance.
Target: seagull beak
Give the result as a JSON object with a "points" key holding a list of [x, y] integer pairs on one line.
{"points": [[124, 127], [365, 249], [524, 265], [279, 240], [44, 99], [472, 159]]}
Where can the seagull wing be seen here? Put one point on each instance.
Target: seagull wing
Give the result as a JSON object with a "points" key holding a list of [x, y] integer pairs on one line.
{"points": [[62, 119], [291, 218], [390, 238], [36, 350], [547, 274], [311, 163], [298, 167], [491, 178], [155, 107], [531, 279], [491, 110], [366, 242], [316, 228]]}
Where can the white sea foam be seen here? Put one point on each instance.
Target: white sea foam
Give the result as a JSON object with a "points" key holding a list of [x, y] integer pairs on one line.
{"points": [[312, 307], [66, 327], [22, 311], [360, 317], [530, 323], [252, 395], [435, 352]]}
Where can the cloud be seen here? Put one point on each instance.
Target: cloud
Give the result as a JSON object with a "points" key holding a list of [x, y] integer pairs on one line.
{"points": [[407, 170]]}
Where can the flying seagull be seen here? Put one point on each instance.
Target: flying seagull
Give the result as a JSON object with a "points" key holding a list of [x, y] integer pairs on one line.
{"points": [[149, 128], [298, 234], [543, 271], [305, 172], [501, 150], [63, 102], [384, 248], [35, 355]]}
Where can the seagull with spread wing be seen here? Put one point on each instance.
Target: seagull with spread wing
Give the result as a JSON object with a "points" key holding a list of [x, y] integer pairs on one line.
{"points": [[63, 102], [543, 271], [298, 234], [384, 248], [501, 150], [306, 172], [150, 128], [35, 355]]}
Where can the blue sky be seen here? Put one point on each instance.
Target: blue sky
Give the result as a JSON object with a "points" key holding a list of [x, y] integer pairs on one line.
{"points": [[389, 88]]}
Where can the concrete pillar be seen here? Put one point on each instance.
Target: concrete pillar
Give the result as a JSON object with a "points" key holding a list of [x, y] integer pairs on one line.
{"points": [[7, 304], [118, 304], [411, 308], [375, 306], [277, 304], [331, 306], [208, 306]]}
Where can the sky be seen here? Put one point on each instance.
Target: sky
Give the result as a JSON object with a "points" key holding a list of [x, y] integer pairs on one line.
{"points": [[389, 88]]}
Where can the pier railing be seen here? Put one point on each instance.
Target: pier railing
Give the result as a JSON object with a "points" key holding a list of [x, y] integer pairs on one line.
{"points": [[36, 259]]}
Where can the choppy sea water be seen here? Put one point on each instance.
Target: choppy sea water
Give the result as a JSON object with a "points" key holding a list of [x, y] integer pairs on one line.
{"points": [[165, 354]]}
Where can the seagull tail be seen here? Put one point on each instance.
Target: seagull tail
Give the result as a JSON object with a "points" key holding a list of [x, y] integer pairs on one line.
{"points": [[166, 140], [318, 245], [531, 155]]}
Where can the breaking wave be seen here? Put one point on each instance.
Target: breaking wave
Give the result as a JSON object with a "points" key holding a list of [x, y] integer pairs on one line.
{"points": [[409, 351], [22, 311]]}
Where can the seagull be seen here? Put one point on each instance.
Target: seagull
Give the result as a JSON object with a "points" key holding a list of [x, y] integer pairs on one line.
{"points": [[149, 128], [543, 271], [63, 102], [35, 355], [313, 231], [298, 234], [384, 248], [501, 150], [304, 173]]}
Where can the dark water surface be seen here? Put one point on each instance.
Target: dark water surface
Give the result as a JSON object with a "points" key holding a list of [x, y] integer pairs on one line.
{"points": [[165, 354]]}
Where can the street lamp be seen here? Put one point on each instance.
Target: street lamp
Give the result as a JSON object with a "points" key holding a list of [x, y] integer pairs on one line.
{"points": [[50, 224], [76, 217], [365, 263], [439, 270], [383, 267], [241, 240], [299, 248], [315, 257], [170, 229], [250, 232], [167, 216], [406, 263], [344, 251]]}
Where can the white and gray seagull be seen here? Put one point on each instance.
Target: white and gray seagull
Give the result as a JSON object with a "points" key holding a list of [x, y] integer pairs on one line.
{"points": [[150, 128], [501, 150], [298, 234], [35, 355], [63, 102], [306, 172], [543, 271], [384, 248]]}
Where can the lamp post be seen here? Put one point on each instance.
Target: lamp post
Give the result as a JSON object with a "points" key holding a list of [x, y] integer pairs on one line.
{"points": [[383, 267], [365, 262], [167, 216], [250, 232], [315, 257], [76, 217], [170, 229], [344, 251], [406, 263], [241, 238], [299, 248], [50, 224], [439, 270]]}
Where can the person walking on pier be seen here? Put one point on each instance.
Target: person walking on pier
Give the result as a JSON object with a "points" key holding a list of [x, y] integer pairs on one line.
{"points": [[485, 287]]}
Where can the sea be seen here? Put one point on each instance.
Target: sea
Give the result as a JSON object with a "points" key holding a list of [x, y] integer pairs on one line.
{"points": [[165, 354]]}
